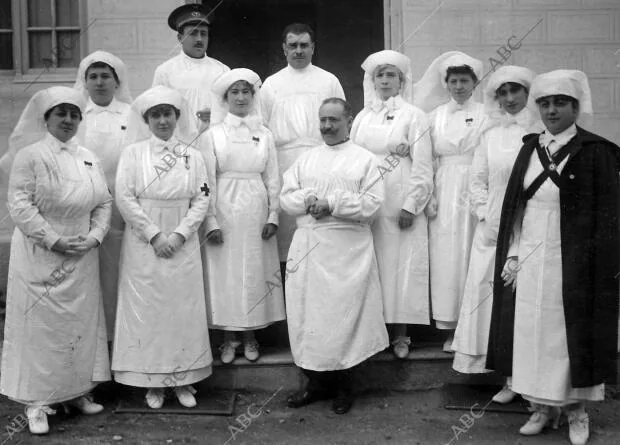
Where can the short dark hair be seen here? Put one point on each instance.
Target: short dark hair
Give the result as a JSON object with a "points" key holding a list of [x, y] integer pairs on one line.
{"points": [[346, 107], [102, 65], [71, 107], [298, 29], [513, 85], [574, 102], [462, 69], [162, 107]]}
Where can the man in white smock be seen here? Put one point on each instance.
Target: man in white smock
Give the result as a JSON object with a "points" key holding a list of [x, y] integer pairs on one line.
{"points": [[192, 72], [290, 102], [333, 302]]}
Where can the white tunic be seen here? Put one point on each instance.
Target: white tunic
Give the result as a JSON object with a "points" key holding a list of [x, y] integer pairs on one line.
{"points": [[161, 321], [541, 366], [455, 134], [491, 170], [105, 130], [242, 289], [402, 255], [193, 78], [55, 344], [333, 294], [290, 101]]}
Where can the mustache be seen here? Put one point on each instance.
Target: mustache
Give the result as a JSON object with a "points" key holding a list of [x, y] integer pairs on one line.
{"points": [[326, 131]]}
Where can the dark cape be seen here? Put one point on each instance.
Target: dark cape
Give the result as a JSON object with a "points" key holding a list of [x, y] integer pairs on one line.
{"points": [[589, 213]]}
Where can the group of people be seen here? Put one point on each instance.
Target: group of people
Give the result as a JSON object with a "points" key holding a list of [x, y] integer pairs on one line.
{"points": [[149, 222]]}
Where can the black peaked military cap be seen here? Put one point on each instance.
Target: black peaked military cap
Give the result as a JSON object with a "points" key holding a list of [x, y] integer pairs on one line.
{"points": [[195, 13]]}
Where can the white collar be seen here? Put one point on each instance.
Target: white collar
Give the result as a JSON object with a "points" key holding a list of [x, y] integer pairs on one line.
{"points": [[339, 145], [159, 145], [393, 103], [454, 106], [193, 60], [560, 139], [304, 70], [113, 107], [253, 122], [56, 145]]}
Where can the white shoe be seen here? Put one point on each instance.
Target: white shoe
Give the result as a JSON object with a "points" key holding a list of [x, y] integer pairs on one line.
{"points": [[447, 346], [85, 405], [228, 351], [543, 416], [506, 395], [185, 394], [155, 398], [250, 350], [37, 418], [578, 426], [401, 346]]}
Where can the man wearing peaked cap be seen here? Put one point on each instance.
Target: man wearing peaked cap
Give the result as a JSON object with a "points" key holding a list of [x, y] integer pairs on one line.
{"points": [[192, 72]]}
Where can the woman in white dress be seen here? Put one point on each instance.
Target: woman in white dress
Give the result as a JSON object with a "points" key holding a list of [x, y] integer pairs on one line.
{"points": [[241, 258], [55, 344], [102, 80], [456, 119], [558, 245], [161, 337], [505, 99], [397, 133]]}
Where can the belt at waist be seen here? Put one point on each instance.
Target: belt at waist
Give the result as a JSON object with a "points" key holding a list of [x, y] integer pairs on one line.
{"points": [[456, 160], [164, 202], [547, 205], [239, 175]]}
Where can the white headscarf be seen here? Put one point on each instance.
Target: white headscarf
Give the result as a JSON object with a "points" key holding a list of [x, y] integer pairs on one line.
{"points": [[219, 106], [122, 92], [386, 57], [31, 126], [431, 90], [138, 130], [527, 117], [573, 83]]}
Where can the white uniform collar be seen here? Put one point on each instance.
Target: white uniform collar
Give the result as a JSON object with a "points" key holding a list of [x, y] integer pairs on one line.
{"points": [[308, 68], [56, 145], [253, 122], [393, 103], [193, 59], [560, 139], [159, 145], [454, 106], [114, 107]]}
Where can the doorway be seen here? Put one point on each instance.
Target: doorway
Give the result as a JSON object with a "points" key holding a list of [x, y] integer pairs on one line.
{"points": [[247, 33]]}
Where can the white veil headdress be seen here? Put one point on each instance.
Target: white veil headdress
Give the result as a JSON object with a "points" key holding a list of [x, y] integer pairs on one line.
{"points": [[31, 126], [219, 106], [386, 57], [431, 90], [122, 92], [138, 130]]}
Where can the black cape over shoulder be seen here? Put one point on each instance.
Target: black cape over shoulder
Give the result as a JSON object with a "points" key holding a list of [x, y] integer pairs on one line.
{"points": [[589, 212]]}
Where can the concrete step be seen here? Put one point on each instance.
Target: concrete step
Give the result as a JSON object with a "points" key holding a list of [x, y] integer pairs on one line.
{"points": [[426, 367]]}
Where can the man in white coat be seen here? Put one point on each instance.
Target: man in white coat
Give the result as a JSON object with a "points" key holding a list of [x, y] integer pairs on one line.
{"points": [[290, 102], [192, 72], [333, 301]]}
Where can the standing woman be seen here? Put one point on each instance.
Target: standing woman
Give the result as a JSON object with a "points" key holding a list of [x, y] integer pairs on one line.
{"points": [[456, 122], [161, 337], [558, 245], [242, 257], [505, 98], [55, 344], [102, 80], [397, 133]]}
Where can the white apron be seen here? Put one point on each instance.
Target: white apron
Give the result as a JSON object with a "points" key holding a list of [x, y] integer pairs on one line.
{"points": [[55, 344], [239, 271], [451, 231], [402, 255], [490, 173], [541, 368], [161, 322]]}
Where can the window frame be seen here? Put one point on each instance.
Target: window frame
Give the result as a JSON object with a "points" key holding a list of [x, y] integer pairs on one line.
{"points": [[22, 72]]}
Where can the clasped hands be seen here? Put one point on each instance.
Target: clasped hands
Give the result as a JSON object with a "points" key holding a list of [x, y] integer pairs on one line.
{"points": [[166, 245], [216, 237], [318, 208], [75, 245]]}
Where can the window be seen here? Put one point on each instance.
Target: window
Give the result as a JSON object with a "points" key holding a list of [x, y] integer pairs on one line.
{"points": [[41, 38]]}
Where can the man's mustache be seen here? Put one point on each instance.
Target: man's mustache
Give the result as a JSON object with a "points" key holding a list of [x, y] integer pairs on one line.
{"points": [[326, 131]]}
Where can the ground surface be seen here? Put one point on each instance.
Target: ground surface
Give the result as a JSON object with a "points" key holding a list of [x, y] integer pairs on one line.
{"points": [[376, 418]]}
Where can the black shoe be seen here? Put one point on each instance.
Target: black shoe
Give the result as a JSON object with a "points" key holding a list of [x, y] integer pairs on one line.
{"points": [[342, 403], [305, 397]]}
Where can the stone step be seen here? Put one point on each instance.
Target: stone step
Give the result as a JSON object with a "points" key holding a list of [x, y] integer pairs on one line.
{"points": [[426, 367]]}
